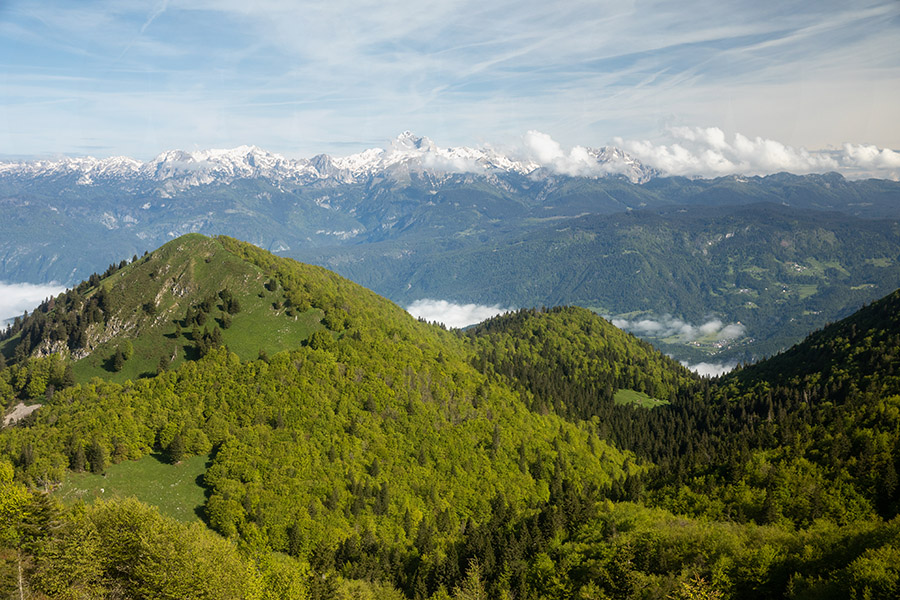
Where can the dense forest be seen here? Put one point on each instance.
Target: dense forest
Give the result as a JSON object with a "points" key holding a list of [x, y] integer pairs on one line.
{"points": [[364, 454]]}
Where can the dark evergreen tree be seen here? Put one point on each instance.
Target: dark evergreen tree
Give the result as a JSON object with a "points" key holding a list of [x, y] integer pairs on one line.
{"points": [[176, 449], [77, 459], [96, 455], [118, 360], [232, 306]]}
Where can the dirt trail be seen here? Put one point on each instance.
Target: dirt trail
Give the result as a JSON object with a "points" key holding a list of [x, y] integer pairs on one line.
{"points": [[19, 412]]}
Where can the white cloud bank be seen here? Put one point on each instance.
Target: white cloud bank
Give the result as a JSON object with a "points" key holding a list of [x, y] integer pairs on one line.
{"points": [[453, 315], [577, 162], [16, 298], [705, 369], [668, 326], [708, 152], [696, 152]]}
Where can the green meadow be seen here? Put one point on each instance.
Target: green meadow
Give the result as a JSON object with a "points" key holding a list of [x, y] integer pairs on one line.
{"points": [[175, 489], [637, 398]]}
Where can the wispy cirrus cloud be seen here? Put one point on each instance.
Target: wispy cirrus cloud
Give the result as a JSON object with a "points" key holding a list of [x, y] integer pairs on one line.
{"points": [[303, 77]]}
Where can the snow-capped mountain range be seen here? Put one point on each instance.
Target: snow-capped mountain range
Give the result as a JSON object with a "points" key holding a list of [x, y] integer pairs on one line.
{"points": [[408, 153]]}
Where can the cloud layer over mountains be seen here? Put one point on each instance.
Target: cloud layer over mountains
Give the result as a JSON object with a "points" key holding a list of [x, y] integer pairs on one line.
{"points": [[689, 151], [708, 152]]}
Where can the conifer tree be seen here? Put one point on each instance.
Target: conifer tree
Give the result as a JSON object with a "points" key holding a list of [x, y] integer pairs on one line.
{"points": [[77, 460], [176, 449], [118, 360], [96, 455]]}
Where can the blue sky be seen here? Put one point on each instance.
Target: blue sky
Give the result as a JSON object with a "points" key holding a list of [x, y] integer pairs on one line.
{"points": [[299, 78]]}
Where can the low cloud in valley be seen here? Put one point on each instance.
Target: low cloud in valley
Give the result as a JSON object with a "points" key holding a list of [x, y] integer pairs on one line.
{"points": [[668, 326], [16, 298], [705, 369], [453, 315]]}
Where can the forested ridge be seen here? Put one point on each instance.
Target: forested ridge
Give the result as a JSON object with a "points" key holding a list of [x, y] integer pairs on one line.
{"points": [[376, 456]]}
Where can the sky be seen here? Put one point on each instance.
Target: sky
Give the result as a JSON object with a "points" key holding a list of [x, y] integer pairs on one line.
{"points": [[135, 78]]}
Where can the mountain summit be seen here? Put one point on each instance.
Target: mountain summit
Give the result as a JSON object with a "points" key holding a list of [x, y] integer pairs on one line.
{"points": [[183, 299]]}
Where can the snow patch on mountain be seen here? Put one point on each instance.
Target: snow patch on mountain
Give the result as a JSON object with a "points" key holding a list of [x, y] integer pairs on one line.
{"points": [[175, 170], [87, 168]]}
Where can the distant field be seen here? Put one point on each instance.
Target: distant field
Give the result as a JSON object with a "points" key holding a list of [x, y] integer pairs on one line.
{"points": [[806, 290], [637, 398], [879, 262], [174, 489]]}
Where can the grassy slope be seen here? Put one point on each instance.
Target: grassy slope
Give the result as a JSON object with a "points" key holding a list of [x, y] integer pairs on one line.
{"points": [[178, 275], [175, 489]]}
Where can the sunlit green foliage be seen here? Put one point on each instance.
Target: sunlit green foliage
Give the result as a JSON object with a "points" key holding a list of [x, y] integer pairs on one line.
{"points": [[382, 457]]}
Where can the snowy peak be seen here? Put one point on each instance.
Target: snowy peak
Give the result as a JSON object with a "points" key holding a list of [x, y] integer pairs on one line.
{"points": [[407, 153], [410, 153], [617, 161], [87, 168], [409, 141], [206, 166]]}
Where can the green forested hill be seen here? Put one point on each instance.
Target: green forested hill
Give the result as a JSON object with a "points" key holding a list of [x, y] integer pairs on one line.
{"points": [[370, 455], [571, 361], [862, 351], [373, 429]]}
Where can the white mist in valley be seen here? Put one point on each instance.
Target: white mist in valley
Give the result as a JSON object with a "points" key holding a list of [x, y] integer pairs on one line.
{"points": [[453, 315], [714, 330], [705, 369], [16, 298], [668, 326]]}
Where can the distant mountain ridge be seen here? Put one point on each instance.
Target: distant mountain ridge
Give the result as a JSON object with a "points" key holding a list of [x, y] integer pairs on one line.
{"points": [[407, 153]]}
